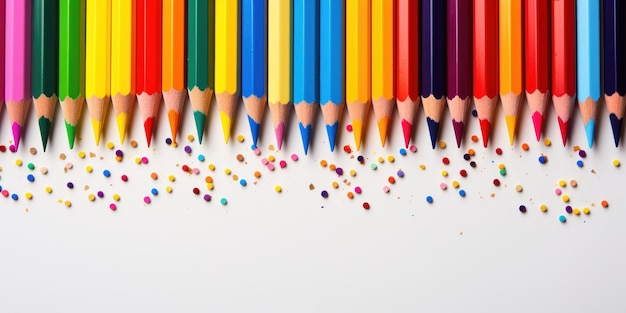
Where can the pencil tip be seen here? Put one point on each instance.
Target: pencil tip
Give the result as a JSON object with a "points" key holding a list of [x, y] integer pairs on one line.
{"points": [[279, 131], [71, 133], [433, 129], [616, 126], [122, 122], [331, 130], [537, 123], [305, 133], [172, 116], [458, 131], [97, 130], [407, 129], [254, 130], [589, 130], [511, 122], [199, 119], [485, 129], [44, 131], [17, 134], [382, 129], [563, 127], [226, 123], [147, 128], [357, 130]]}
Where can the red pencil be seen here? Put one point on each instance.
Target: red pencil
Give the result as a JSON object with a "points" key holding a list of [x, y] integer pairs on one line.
{"points": [[486, 86], [148, 62], [563, 62], [408, 91], [537, 57]]}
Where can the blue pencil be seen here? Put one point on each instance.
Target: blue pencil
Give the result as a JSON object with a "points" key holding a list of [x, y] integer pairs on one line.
{"points": [[305, 65], [332, 72], [615, 63], [588, 62], [254, 62]]}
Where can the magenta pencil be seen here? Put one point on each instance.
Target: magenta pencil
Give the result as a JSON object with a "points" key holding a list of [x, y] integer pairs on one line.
{"points": [[458, 63], [17, 66]]}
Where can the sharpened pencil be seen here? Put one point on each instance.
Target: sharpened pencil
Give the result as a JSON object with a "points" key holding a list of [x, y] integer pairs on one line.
{"points": [[485, 64], [332, 69], [123, 62], [306, 66], [358, 75], [614, 63], [563, 62], [98, 63], [148, 62], [458, 64], [17, 83], [433, 66], [200, 59], [537, 60], [173, 61], [254, 62], [279, 31], [45, 63], [383, 64], [227, 61], [511, 73], [408, 89], [588, 63], [71, 64]]}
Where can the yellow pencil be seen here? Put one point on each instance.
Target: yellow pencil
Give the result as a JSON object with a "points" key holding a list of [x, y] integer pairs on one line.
{"points": [[279, 64], [358, 65], [383, 65], [511, 72], [227, 61], [98, 63], [123, 62]]}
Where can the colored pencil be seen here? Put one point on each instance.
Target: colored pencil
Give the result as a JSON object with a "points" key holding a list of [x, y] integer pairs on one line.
{"points": [[2, 4], [485, 71], [200, 59], [45, 63], [433, 66], [306, 66], [563, 62], [17, 67], [254, 62], [358, 65], [148, 62], [227, 61], [408, 89], [511, 75], [123, 62], [279, 64], [537, 60], [332, 71], [173, 61], [71, 64], [98, 63], [615, 63], [383, 64], [588, 63], [458, 63]]}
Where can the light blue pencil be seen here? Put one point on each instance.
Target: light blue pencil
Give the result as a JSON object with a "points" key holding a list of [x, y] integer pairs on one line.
{"points": [[254, 62], [305, 66], [588, 62], [332, 71]]}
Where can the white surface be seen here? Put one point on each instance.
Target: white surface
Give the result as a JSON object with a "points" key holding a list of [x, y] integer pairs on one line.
{"points": [[297, 252]]}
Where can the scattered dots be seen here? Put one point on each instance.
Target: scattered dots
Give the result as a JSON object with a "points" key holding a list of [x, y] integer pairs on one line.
{"points": [[241, 138], [168, 189], [586, 210], [227, 171], [568, 209], [429, 199], [88, 169], [68, 203], [580, 163], [206, 197], [349, 127], [70, 185], [604, 203], [386, 189], [391, 180], [154, 191], [565, 198], [543, 159], [18, 162], [82, 154], [30, 178], [496, 182], [28, 195], [278, 188], [323, 163], [294, 157], [445, 160], [522, 208], [616, 163], [442, 145], [444, 173], [525, 147], [543, 208], [413, 148], [391, 158], [106, 173], [187, 149], [124, 178], [324, 194], [335, 184], [196, 191], [350, 195], [462, 193], [243, 182], [582, 154], [463, 173], [402, 151], [211, 167], [48, 189], [455, 184], [562, 219], [347, 149], [547, 142], [400, 173], [282, 164], [519, 188], [366, 205], [116, 197], [113, 206], [443, 186], [358, 190], [201, 157], [573, 183], [352, 173], [30, 166], [474, 138], [576, 211], [110, 145], [168, 141], [373, 166]]}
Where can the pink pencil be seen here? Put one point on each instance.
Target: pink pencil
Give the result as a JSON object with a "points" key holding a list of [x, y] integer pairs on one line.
{"points": [[17, 64], [1, 55]]}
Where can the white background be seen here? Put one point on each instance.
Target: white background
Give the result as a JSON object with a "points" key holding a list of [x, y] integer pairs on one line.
{"points": [[298, 252]]}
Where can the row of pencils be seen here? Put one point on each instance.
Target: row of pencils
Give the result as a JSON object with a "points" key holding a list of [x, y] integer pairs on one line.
{"points": [[312, 53]]}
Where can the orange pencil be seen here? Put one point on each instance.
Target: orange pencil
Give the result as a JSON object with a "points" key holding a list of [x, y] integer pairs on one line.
{"points": [[173, 79]]}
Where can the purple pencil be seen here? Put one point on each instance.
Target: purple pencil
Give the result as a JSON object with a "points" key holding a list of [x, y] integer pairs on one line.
{"points": [[458, 63]]}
